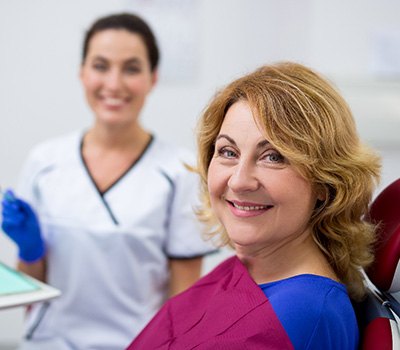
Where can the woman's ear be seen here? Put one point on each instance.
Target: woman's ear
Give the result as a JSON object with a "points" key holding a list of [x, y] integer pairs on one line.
{"points": [[154, 77], [322, 193], [81, 73]]}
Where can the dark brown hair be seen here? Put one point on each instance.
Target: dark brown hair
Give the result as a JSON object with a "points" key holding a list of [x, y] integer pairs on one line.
{"points": [[130, 22]]}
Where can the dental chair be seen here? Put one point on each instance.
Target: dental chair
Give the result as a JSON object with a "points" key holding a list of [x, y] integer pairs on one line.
{"points": [[379, 314]]}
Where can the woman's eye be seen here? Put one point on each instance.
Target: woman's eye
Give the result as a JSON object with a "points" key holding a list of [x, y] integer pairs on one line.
{"points": [[274, 157], [132, 70], [100, 67], [226, 153]]}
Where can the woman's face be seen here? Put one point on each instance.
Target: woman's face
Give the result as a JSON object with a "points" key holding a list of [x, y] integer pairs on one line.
{"points": [[116, 76], [257, 195]]}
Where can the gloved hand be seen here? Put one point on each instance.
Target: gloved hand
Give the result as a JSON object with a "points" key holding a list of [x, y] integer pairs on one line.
{"points": [[21, 224]]}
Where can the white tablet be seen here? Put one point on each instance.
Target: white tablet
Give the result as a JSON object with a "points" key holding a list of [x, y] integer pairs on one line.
{"points": [[17, 288]]}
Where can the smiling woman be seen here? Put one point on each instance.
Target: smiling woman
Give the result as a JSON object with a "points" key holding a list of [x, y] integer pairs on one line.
{"points": [[285, 182]]}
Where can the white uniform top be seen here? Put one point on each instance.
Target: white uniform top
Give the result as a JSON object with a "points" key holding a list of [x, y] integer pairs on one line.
{"points": [[108, 253]]}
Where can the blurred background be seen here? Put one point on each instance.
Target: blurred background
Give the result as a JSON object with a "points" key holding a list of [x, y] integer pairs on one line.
{"points": [[204, 45]]}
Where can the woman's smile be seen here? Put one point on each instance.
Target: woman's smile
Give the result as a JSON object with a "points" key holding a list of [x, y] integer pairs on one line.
{"points": [[114, 102], [247, 209]]}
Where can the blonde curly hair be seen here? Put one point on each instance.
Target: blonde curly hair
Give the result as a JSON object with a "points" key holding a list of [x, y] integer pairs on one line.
{"points": [[311, 125]]}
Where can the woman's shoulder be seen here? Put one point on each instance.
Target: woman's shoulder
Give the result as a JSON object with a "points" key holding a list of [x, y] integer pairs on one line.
{"points": [[303, 284], [313, 309], [311, 294]]}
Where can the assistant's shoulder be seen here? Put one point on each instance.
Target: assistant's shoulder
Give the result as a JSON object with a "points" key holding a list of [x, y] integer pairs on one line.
{"points": [[173, 160], [45, 158], [55, 148]]}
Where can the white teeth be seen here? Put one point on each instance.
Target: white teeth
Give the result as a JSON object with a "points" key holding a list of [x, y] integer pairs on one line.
{"points": [[113, 101], [249, 208]]}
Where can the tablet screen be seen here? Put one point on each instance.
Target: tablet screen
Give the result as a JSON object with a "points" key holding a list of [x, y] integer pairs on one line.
{"points": [[17, 288], [12, 281]]}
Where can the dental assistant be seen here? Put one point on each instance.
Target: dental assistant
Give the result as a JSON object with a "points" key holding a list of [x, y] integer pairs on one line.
{"points": [[106, 214]]}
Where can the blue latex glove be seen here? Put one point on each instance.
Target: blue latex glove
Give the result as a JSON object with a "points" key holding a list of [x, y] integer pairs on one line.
{"points": [[21, 224]]}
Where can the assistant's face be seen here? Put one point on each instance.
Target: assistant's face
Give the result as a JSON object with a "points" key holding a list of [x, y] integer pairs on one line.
{"points": [[256, 194], [116, 76]]}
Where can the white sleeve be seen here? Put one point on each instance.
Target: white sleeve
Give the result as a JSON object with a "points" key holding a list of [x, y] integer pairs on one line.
{"points": [[26, 180], [185, 232], [39, 161]]}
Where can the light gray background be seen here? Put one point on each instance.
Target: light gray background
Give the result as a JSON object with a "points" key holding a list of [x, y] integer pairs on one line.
{"points": [[353, 42]]}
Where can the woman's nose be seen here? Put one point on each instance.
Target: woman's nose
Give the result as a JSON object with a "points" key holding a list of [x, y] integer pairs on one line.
{"points": [[243, 178], [113, 80]]}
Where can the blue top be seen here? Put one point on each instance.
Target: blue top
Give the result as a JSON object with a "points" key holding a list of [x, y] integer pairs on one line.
{"points": [[315, 311]]}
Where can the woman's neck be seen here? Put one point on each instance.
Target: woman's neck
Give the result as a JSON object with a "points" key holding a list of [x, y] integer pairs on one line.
{"points": [[117, 138], [284, 261], [109, 154]]}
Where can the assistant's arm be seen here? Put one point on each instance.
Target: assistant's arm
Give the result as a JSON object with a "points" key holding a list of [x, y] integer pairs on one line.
{"points": [[36, 270], [183, 274]]}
